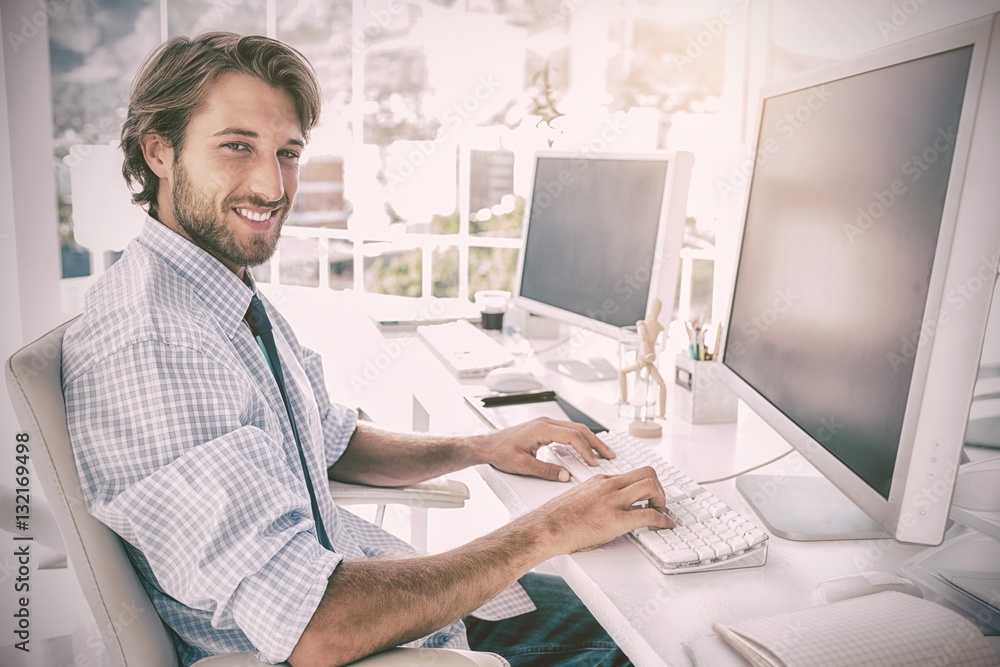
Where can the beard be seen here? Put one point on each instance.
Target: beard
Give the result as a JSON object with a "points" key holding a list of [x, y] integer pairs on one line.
{"points": [[208, 229]]}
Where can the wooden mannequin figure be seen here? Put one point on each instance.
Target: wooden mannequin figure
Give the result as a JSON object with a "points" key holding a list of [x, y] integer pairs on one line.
{"points": [[649, 331]]}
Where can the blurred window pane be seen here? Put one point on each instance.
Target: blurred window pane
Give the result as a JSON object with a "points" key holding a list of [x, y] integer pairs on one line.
{"points": [[656, 66], [94, 49], [193, 17], [445, 270], [493, 208], [392, 269], [491, 268], [341, 264], [299, 261], [319, 201], [702, 284], [321, 30], [262, 273], [389, 46], [503, 219]]}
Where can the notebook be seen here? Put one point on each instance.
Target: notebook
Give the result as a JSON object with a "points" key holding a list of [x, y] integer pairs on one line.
{"points": [[887, 628]]}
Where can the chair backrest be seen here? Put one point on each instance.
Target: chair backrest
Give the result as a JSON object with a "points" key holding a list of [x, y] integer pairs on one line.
{"points": [[131, 629]]}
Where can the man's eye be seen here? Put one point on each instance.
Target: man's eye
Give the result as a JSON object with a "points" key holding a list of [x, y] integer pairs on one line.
{"points": [[289, 155], [236, 146]]}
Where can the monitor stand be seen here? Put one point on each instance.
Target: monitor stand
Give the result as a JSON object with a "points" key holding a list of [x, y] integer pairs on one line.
{"points": [[806, 508]]}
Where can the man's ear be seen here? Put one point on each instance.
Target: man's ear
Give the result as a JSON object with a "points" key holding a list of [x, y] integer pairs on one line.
{"points": [[159, 154]]}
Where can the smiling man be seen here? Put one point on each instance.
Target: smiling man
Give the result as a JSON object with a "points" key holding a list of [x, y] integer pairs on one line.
{"points": [[243, 228], [204, 436]]}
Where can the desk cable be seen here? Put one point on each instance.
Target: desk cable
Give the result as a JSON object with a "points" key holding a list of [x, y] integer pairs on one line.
{"points": [[558, 343], [743, 472]]}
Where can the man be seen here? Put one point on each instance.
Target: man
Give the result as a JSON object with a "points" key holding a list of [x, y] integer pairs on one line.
{"points": [[204, 436]]}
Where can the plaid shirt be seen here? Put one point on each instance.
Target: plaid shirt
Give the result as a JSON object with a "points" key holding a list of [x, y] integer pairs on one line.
{"points": [[184, 449]]}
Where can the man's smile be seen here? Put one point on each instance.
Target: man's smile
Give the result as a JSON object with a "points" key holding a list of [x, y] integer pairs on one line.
{"points": [[257, 215]]}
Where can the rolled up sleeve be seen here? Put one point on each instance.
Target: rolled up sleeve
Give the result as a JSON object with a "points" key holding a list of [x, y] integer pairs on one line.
{"points": [[288, 609]]}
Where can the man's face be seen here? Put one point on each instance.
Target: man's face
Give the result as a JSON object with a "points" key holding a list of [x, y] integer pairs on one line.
{"points": [[231, 186]]}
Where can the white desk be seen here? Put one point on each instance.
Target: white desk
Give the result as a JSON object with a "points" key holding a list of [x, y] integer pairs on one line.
{"points": [[649, 614]]}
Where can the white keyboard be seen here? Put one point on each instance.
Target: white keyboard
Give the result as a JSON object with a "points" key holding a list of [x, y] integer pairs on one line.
{"points": [[709, 534], [465, 349]]}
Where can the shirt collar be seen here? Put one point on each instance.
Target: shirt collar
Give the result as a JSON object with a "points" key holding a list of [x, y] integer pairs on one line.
{"points": [[221, 290]]}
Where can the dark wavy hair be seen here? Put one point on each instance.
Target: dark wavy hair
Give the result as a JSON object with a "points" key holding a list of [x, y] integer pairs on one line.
{"points": [[173, 82]]}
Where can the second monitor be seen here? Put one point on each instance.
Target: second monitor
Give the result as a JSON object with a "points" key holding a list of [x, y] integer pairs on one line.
{"points": [[602, 236]]}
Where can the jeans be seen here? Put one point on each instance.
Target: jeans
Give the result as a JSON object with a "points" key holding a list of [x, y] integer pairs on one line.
{"points": [[560, 632]]}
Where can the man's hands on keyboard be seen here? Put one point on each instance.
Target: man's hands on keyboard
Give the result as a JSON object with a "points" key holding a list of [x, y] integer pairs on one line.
{"points": [[708, 533], [623, 488], [599, 510]]}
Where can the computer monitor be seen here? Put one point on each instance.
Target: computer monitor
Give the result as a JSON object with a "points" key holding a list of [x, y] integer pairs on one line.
{"points": [[867, 263], [602, 236]]}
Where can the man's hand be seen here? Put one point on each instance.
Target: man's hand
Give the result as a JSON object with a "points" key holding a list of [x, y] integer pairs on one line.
{"points": [[513, 449], [599, 510]]}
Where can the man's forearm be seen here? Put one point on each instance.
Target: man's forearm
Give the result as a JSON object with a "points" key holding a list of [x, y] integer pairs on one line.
{"points": [[385, 458], [372, 605]]}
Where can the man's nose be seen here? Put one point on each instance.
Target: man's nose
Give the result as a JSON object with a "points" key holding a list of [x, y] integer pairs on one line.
{"points": [[265, 179]]}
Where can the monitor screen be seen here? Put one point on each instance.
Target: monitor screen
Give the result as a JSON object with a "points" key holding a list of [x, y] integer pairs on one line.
{"points": [[593, 241], [840, 236], [865, 273]]}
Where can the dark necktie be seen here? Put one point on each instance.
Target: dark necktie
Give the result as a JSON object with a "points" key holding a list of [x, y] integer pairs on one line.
{"points": [[256, 317]]}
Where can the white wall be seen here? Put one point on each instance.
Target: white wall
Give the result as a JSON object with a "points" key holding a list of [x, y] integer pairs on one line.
{"points": [[29, 288], [845, 28], [29, 114], [10, 332]]}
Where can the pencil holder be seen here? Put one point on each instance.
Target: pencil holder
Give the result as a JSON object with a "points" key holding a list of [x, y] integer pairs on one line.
{"points": [[700, 397]]}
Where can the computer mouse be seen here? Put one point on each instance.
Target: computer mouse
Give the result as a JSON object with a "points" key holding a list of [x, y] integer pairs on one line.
{"points": [[510, 380], [863, 583]]}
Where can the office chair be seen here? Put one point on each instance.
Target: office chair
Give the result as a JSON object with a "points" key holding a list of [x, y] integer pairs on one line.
{"points": [[439, 493], [137, 638]]}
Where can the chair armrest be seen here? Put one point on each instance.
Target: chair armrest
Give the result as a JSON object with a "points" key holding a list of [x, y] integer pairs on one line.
{"points": [[397, 657], [435, 493]]}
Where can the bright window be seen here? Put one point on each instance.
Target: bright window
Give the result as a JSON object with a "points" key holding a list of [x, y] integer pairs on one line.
{"points": [[414, 182]]}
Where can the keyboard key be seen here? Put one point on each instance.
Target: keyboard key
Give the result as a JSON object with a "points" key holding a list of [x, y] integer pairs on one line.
{"points": [[680, 556], [718, 509], [650, 539], [737, 543], [721, 549], [684, 518], [705, 553], [673, 493]]}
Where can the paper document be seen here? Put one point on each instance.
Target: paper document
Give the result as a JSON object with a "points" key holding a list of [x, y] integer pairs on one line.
{"points": [[879, 629]]}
